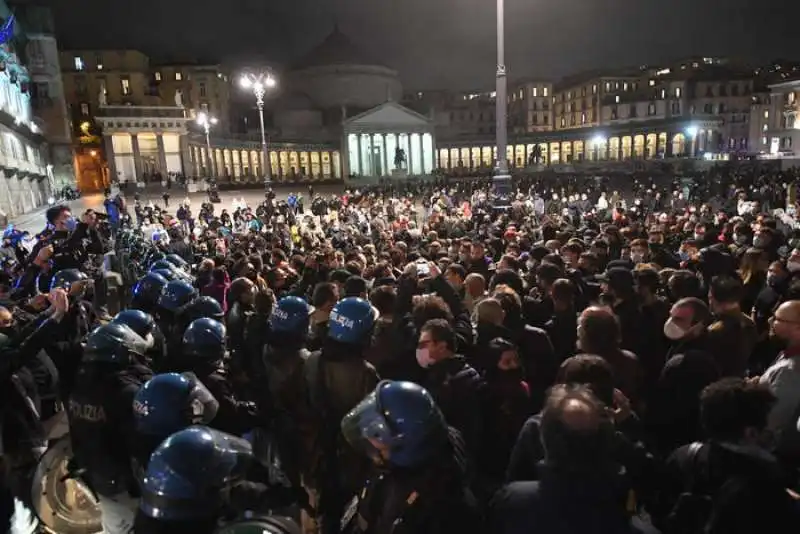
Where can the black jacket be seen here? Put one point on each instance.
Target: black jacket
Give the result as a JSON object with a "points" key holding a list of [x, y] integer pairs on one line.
{"points": [[101, 424]]}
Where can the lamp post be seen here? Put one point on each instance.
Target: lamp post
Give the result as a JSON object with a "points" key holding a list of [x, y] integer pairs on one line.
{"points": [[501, 182], [204, 120], [259, 83]]}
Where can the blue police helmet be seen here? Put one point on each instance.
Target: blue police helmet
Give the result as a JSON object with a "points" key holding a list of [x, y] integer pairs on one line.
{"points": [[140, 322], [188, 471], [66, 278], [291, 315], [403, 417], [170, 402], [177, 294], [351, 320], [113, 343], [161, 264], [205, 339], [154, 256], [206, 307], [148, 290], [178, 262], [168, 274], [261, 524]]}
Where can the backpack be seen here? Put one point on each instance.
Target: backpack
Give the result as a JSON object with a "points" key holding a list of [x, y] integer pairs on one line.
{"points": [[693, 507]]}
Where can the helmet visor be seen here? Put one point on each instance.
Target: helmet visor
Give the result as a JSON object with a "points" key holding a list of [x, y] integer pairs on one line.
{"points": [[203, 404], [366, 427]]}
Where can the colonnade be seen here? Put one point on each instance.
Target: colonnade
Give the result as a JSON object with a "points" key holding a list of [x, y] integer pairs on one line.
{"points": [[286, 164]]}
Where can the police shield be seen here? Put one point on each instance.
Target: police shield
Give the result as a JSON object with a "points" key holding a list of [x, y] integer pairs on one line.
{"points": [[63, 504]]}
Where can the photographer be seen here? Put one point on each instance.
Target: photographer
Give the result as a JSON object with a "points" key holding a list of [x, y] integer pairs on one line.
{"points": [[65, 245]]}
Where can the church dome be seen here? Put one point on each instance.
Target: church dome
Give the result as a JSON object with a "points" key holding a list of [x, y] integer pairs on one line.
{"points": [[337, 73], [336, 49]]}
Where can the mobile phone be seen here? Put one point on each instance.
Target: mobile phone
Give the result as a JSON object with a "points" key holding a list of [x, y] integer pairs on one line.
{"points": [[423, 269]]}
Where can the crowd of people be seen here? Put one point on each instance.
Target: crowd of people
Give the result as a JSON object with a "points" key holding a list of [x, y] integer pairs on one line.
{"points": [[611, 354]]}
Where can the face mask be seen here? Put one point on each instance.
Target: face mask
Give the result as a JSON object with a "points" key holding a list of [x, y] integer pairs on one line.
{"points": [[638, 257], [673, 331], [424, 358], [71, 224], [793, 266]]}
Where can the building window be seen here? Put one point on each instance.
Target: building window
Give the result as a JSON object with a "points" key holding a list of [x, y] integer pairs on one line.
{"points": [[734, 90], [708, 108], [535, 92], [594, 89], [764, 141], [84, 108], [663, 94], [178, 76], [616, 99], [614, 113], [651, 108], [764, 128], [544, 91], [721, 108], [676, 108], [204, 107], [563, 122], [158, 76], [608, 86], [652, 83], [709, 91], [521, 94], [583, 118], [569, 95], [126, 86], [625, 86], [723, 90], [632, 111], [202, 90], [583, 91], [78, 63], [99, 62], [766, 114], [678, 92]]}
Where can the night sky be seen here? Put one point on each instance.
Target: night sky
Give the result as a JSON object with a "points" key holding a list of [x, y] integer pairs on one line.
{"points": [[441, 43]]}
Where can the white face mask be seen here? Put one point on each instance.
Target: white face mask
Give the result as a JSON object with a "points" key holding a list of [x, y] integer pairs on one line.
{"points": [[424, 358], [793, 266], [673, 331]]}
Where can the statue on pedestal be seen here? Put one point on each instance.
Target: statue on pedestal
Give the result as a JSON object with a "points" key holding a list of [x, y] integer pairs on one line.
{"points": [[178, 98], [400, 158]]}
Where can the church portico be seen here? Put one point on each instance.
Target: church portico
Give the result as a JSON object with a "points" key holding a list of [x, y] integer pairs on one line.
{"points": [[389, 140]]}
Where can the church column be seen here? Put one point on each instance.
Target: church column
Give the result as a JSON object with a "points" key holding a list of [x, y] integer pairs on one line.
{"points": [[410, 155], [385, 156], [137, 157], [372, 155], [162, 156], [360, 156], [111, 159]]}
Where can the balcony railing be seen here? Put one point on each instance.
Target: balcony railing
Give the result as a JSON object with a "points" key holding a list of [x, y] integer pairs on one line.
{"points": [[141, 112]]}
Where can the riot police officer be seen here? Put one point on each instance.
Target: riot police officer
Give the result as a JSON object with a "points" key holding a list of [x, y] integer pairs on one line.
{"points": [[168, 403], [203, 354], [176, 296], [147, 292], [422, 483], [101, 419], [194, 479]]}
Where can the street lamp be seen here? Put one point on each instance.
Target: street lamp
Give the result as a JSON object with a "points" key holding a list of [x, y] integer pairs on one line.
{"points": [[501, 182], [204, 120], [259, 83]]}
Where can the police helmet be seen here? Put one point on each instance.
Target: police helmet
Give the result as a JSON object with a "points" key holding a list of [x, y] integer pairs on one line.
{"points": [[148, 290], [291, 315], [140, 322], [161, 264], [205, 339], [351, 321], [170, 402], [66, 278], [188, 471], [168, 274], [113, 343], [204, 307], [154, 256], [177, 294], [262, 525], [178, 262], [403, 417]]}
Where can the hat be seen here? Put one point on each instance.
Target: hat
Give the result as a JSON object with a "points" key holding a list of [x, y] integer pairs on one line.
{"points": [[617, 277]]}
